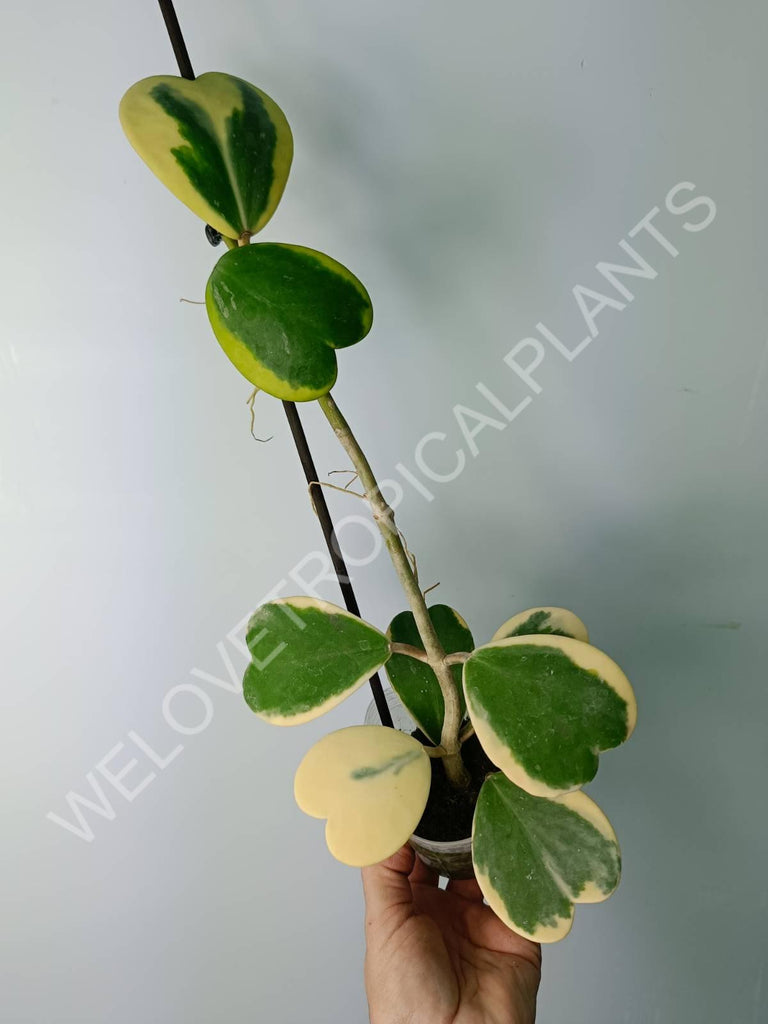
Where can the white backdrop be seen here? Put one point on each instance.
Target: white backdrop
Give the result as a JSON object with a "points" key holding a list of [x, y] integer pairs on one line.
{"points": [[472, 163]]}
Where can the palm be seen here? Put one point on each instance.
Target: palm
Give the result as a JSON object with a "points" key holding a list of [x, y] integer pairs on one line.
{"points": [[441, 956]]}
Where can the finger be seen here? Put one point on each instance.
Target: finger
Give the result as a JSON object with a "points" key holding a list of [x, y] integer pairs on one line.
{"points": [[423, 875], [386, 886], [466, 888]]}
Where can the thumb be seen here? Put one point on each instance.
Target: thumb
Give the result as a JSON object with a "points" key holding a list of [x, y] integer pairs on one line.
{"points": [[388, 894]]}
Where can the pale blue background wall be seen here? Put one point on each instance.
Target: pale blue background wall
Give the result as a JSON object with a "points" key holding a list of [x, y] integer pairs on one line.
{"points": [[472, 163]]}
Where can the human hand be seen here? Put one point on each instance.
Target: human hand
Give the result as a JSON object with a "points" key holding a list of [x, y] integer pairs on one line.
{"points": [[437, 956]]}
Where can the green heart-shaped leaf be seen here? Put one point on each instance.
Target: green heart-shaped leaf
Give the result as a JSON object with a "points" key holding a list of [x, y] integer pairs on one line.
{"points": [[414, 682], [220, 145], [308, 656], [279, 311], [554, 621], [371, 783], [534, 858], [543, 707]]}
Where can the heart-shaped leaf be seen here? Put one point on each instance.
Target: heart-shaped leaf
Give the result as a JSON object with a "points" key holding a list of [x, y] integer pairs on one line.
{"points": [[220, 145], [371, 783], [534, 858], [554, 621], [279, 311], [414, 682], [543, 707], [308, 656]]}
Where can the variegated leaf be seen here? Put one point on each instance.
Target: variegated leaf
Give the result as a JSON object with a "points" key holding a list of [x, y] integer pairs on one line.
{"points": [[543, 707], [222, 146], [535, 857], [554, 621], [279, 311], [371, 783], [308, 655]]}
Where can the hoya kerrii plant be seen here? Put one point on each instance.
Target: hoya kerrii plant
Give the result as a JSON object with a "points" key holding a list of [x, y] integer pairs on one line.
{"points": [[537, 704]]}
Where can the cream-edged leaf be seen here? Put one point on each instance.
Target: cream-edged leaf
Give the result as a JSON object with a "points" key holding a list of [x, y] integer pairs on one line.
{"points": [[535, 857], [280, 311], [308, 655], [221, 145], [371, 783], [544, 706], [554, 621]]}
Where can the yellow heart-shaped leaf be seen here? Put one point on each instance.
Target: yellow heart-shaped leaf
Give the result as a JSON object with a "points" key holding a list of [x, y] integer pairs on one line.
{"points": [[222, 146], [371, 783]]}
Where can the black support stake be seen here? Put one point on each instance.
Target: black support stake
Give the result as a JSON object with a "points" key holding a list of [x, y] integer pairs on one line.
{"points": [[292, 415], [177, 39]]}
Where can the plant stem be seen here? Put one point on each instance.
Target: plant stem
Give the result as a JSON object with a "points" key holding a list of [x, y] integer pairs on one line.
{"points": [[385, 520], [409, 651]]}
